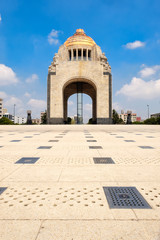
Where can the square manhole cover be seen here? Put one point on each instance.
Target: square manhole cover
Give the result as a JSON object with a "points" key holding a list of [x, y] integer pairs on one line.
{"points": [[129, 140], [27, 160], [125, 197], [1, 146], [44, 147], [95, 147], [2, 189], [103, 160], [91, 140], [146, 147], [56, 140], [15, 140]]}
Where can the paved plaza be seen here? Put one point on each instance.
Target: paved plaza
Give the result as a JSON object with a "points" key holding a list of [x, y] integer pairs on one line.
{"points": [[55, 182]]}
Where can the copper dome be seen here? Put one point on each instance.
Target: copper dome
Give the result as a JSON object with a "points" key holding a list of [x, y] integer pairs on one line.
{"points": [[79, 38]]}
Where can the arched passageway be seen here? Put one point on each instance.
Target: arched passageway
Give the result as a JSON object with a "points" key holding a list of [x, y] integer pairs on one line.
{"points": [[79, 86]]}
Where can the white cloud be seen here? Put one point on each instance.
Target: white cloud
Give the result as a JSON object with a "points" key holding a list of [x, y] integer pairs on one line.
{"points": [[117, 106], [37, 104], [3, 95], [27, 94], [10, 101], [148, 71], [70, 103], [7, 76], [88, 107], [135, 44], [0, 18], [140, 89], [33, 78], [53, 37]]}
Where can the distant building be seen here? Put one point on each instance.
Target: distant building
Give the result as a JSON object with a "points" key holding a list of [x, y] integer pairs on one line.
{"points": [[41, 115], [124, 116], [138, 119], [75, 118], [4, 111], [155, 115], [36, 121], [19, 120], [1, 107], [9, 116]]}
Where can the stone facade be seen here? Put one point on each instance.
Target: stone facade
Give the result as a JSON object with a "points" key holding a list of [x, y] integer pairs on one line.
{"points": [[79, 60]]}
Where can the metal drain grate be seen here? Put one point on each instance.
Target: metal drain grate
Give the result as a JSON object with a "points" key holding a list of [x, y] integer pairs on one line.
{"points": [[1, 146], [53, 141], [89, 137], [44, 147], [95, 147], [125, 197], [149, 137], [113, 134], [59, 137], [2, 189], [27, 160], [103, 160], [91, 140], [129, 140], [28, 137], [146, 147], [119, 137], [15, 140]]}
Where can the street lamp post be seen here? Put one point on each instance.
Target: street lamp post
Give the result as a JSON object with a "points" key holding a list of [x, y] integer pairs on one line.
{"points": [[148, 110]]}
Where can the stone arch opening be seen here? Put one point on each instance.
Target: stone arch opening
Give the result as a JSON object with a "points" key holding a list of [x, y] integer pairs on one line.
{"points": [[87, 87]]}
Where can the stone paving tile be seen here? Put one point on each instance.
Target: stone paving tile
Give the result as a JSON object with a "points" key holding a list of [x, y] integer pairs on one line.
{"points": [[61, 196]]}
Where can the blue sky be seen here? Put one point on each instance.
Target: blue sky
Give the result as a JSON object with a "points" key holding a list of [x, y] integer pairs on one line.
{"points": [[127, 31]]}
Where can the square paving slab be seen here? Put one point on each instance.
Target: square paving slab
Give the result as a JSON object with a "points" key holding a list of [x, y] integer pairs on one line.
{"points": [[74, 190], [27, 160]]}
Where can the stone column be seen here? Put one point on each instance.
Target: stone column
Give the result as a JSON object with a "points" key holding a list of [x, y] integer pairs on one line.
{"points": [[87, 54], [72, 54], [77, 54], [94, 109], [65, 108]]}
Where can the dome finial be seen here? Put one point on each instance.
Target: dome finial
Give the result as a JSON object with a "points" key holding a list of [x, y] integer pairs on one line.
{"points": [[81, 31]]}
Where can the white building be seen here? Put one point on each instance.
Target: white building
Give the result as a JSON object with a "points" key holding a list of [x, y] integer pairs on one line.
{"points": [[19, 120], [124, 116]]}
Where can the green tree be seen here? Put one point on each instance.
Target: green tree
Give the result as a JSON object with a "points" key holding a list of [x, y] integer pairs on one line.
{"points": [[158, 120], [150, 121], [115, 118], [69, 120], [44, 118], [5, 121], [90, 121]]}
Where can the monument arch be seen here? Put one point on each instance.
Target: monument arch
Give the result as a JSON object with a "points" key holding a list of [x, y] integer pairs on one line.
{"points": [[79, 67], [83, 86]]}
